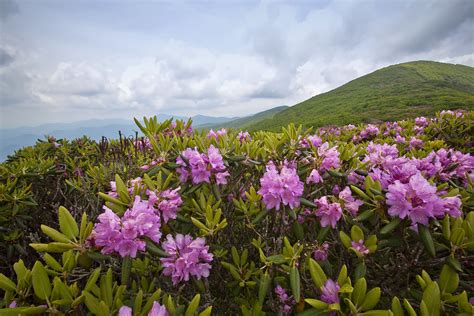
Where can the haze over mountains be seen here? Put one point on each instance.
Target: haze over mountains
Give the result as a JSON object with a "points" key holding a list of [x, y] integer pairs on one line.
{"points": [[400, 91]]}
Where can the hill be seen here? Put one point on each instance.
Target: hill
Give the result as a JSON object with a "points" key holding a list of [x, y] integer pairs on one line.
{"points": [[245, 122], [392, 93]]}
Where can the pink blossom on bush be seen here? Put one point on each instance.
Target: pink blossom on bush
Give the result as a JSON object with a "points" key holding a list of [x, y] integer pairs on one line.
{"points": [[330, 157], [330, 292], [244, 136], [123, 235], [321, 252], [158, 310], [369, 131], [328, 213], [187, 257], [360, 247], [201, 166], [350, 204], [284, 300], [281, 187], [416, 200], [416, 143], [167, 201], [314, 177], [125, 311]]}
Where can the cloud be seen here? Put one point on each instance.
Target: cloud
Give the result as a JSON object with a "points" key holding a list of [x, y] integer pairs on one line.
{"points": [[8, 8], [216, 63]]}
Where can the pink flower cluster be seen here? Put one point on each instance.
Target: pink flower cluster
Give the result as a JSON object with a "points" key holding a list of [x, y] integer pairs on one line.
{"points": [[167, 201], [244, 136], [156, 310], [285, 301], [125, 235], [321, 252], [187, 257], [360, 247], [282, 186], [350, 204], [418, 200], [215, 135], [328, 213], [330, 292], [202, 166], [370, 131], [329, 156]]}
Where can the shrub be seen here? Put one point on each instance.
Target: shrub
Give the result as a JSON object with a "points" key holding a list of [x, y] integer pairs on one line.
{"points": [[353, 220]]}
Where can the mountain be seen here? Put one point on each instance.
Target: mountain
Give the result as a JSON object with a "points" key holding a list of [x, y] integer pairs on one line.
{"points": [[392, 93], [244, 122], [12, 139]]}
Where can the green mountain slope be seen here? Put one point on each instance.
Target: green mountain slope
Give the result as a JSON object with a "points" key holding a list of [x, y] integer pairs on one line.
{"points": [[244, 122], [392, 93]]}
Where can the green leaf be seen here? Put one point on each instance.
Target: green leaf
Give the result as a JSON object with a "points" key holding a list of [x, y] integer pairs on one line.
{"points": [[295, 283], [345, 239], [431, 297], [448, 280], [54, 234], [316, 303], [6, 284], [390, 226], [92, 280], [427, 240], [317, 273], [51, 262], [67, 224], [263, 287], [409, 308], [371, 299], [41, 282], [356, 233], [126, 267], [397, 309], [454, 263], [360, 289], [341, 279], [193, 305], [206, 312]]}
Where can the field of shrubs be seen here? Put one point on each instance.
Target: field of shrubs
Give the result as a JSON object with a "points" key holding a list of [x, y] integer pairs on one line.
{"points": [[353, 220]]}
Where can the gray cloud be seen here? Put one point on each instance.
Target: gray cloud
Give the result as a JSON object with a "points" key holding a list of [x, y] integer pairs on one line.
{"points": [[8, 8], [273, 53]]}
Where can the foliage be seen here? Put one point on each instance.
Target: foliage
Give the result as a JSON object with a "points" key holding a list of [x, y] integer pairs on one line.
{"points": [[392, 93], [337, 243]]}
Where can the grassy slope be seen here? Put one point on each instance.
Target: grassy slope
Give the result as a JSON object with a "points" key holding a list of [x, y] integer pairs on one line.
{"points": [[245, 122], [391, 93]]}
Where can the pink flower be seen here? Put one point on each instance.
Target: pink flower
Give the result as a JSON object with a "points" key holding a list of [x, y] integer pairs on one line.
{"points": [[281, 187], [416, 200], [158, 310], [202, 166], [350, 204], [168, 202], [330, 291], [284, 300], [360, 247], [123, 235], [416, 143], [421, 121], [187, 257], [329, 213], [244, 136], [330, 157], [314, 177], [321, 252], [125, 311], [12, 304], [212, 135], [369, 131]]}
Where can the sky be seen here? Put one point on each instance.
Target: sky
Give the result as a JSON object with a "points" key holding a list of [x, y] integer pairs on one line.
{"points": [[64, 61]]}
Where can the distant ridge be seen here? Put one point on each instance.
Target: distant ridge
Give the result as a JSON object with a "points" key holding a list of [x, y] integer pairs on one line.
{"points": [[245, 122], [392, 93]]}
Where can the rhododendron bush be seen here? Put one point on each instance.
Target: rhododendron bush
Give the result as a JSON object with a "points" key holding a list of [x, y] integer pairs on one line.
{"points": [[374, 219]]}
